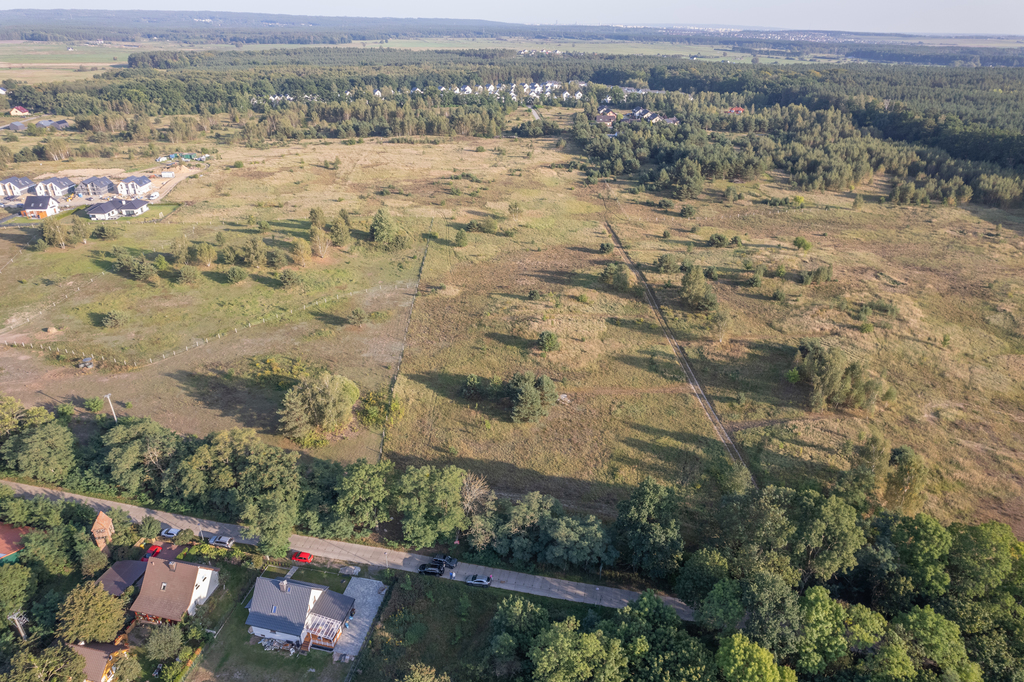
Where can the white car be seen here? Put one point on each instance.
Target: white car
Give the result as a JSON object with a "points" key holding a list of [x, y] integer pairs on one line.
{"points": [[170, 532], [481, 580], [225, 541]]}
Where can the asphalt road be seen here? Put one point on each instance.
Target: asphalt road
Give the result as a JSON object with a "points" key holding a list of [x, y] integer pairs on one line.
{"points": [[376, 556]]}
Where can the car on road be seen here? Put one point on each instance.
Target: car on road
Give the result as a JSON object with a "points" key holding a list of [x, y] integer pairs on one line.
{"points": [[431, 569], [225, 541], [481, 580], [302, 557], [170, 532], [445, 561], [152, 552]]}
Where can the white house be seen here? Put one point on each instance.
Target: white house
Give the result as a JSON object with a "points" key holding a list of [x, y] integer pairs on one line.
{"points": [[15, 186], [40, 207], [172, 589], [108, 210], [133, 207], [54, 187], [298, 612], [134, 185]]}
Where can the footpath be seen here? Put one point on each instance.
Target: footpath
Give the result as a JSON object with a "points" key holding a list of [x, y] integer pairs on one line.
{"points": [[525, 583]]}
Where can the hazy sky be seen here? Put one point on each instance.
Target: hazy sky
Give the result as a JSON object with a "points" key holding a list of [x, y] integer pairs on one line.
{"points": [[908, 16]]}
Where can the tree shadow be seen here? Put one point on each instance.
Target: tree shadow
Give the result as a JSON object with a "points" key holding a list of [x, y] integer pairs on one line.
{"points": [[215, 276], [96, 319], [563, 278], [330, 318], [450, 385], [512, 341], [267, 280], [240, 400]]}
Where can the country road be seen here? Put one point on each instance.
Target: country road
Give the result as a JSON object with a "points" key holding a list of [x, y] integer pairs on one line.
{"points": [[375, 556]]}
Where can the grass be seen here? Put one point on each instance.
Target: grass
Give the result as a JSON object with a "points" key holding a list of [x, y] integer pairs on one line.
{"points": [[444, 624]]}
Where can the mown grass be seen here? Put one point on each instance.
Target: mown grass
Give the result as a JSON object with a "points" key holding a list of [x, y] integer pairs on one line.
{"points": [[444, 624]]}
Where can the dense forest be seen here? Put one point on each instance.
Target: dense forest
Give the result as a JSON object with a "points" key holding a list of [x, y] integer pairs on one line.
{"points": [[847, 583]]}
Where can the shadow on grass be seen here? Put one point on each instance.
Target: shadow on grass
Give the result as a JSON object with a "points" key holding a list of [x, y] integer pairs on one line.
{"points": [[267, 280], [570, 279], [243, 401], [330, 318], [214, 276], [512, 341]]}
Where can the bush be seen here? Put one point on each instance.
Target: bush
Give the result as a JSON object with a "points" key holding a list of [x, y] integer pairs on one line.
{"points": [[164, 642], [160, 263], [819, 274], [236, 275], [534, 295], [238, 164], [115, 318], [688, 211], [548, 341], [616, 276], [461, 239], [835, 382], [606, 247], [188, 274], [487, 225], [717, 240], [666, 203], [108, 230], [802, 244], [711, 273], [94, 405], [290, 278], [666, 264], [384, 233]]}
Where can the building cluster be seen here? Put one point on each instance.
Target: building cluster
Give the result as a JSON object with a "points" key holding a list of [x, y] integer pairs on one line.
{"points": [[607, 117], [40, 198], [528, 92], [18, 127]]}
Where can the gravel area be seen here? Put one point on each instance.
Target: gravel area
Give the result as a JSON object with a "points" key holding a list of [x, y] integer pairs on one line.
{"points": [[368, 595]]}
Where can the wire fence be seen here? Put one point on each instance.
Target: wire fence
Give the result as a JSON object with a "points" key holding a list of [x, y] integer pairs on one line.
{"points": [[127, 361]]}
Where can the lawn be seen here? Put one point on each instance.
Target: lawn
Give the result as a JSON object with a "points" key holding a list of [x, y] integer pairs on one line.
{"points": [[444, 624]]}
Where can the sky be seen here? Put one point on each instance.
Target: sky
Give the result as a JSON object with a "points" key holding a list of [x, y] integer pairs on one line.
{"points": [[879, 16]]}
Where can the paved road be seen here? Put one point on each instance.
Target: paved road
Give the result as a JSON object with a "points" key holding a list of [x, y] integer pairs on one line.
{"points": [[536, 116], [377, 556]]}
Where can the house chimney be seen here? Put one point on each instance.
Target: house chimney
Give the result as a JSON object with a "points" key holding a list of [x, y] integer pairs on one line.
{"points": [[284, 585], [171, 565]]}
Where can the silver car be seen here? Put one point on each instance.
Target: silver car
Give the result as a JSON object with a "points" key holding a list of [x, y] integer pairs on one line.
{"points": [[481, 580], [225, 541], [170, 532]]}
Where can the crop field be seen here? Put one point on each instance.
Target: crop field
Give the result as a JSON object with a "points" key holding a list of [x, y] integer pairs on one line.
{"points": [[926, 298]]}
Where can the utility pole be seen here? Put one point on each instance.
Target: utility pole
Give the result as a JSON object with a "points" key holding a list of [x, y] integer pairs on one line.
{"points": [[111, 403]]}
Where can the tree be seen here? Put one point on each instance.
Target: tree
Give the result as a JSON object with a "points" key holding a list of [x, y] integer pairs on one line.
{"points": [[827, 536], [236, 274], [323, 402], [461, 239], [430, 501], [364, 494], [203, 253], [139, 451], [527, 403], [317, 219], [516, 623], [149, 528], [320, 242], [702, 570], [56, 663], [89, 613], [128, 669], [740, 660], [164, 642], [548, 341], [937, 640], [179, 248], [904, 486], [17, 585], [616, 276], [55, 233], [340, 230], [11, 411], [186, 537], [821, 640], [254, 252], [419, 672], [302, 252], [722, 608], [923, 546], [696, 292], [802, 244], [515, 209], [980, 558], [45, 453], [188, 275], [647, 530], [561, 653], [384, 233], [774, 612]]}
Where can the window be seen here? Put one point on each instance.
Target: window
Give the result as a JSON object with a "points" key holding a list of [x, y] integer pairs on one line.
{"points": [[273, 609], [163, 586], [197, 586]]}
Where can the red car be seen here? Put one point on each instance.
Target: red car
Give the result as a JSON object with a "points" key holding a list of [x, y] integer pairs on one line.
{"points": [[302, 557], [152, 552]]}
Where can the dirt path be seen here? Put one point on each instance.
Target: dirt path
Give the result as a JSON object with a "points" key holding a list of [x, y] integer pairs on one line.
{"points": [[691, 377]]}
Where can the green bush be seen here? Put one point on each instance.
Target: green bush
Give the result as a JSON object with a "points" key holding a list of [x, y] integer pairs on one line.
{"points": [[236, 275], [688, 211], [94, 405], [802, 244], [188, 274], [548, 341], [717, 240], [461, 239], [606, 247], [290, 278], [666, 264], [534, 295], [616, 276], [160, 263], [238, 164], [115, 318]]}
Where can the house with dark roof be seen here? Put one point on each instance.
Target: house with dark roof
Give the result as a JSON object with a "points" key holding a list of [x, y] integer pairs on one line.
{"points": [[60, 125], [108, 210], [133, 207], [45, 123], [173, 589], [40, 207], [100, 659], [54, 187], [134, 185], [10, 542], [604, 119], [306, 614], [15, 186], [17, 127], [122, 575], [96, 185]]}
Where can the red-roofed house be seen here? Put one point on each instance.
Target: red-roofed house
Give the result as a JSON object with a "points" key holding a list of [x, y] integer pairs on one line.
{"points": [[102, 531], [735, 110], [10, 542], [19, 111]]}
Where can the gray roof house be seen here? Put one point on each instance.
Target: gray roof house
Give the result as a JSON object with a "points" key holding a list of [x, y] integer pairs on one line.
{"points": [[54, 187], [18, 127], [122, 575], [15, 186], [108, 210], [96, 185], [134, 184], [303, 613]]}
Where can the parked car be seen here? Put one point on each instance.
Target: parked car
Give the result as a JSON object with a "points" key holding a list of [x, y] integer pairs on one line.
{"points": [[152, 552], [225, 541], [170, 533], [431, 569], [481, 580], [302, 557], [445, 561]]}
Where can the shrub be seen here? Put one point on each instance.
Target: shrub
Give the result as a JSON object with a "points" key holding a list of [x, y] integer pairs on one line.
{"points": [[835, 382], [758, 276], [867, 328], [736, 241], [534, 295], [688, 211], [480, 148], [290, 278], [711, 273], [94, 405], [802, 244], [666, 234], [384, 233], [696, 292], [616, 276], [238, 164], [488, 225], [160, 263], [108, 230], [717, 240], [188, 274], [461, 239], [164, 642], [320, 403], [666, 203], [779, 295], [606, 247], [115, 318], [548, 341], [820, 274], [666, 264], [236, 275]]}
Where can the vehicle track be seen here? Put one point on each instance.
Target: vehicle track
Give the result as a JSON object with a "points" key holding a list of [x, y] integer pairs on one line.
{"points": [[691, 377]]}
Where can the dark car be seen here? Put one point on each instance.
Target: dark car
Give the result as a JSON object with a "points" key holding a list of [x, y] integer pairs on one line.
{"points": [[445, 561], [431, 569], [481, 580]]}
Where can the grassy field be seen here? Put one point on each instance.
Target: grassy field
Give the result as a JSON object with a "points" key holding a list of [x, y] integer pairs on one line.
{"points": [[443, 624]]}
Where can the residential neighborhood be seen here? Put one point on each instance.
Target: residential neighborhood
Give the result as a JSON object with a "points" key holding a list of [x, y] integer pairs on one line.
{"points": [[172, 589]]}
